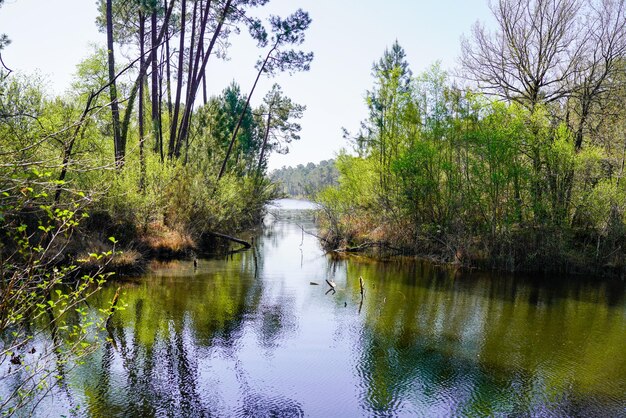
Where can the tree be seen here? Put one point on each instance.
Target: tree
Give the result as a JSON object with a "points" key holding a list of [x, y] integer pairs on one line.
{"points": [[556, 58], [533, 53], [386, 102], [602, 57], [115, 110], [231, 12], [232, 104], [212, 128], [278, 111], [288, 31]]}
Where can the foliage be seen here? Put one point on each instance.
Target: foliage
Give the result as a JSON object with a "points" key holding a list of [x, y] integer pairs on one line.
{"points": [[45, 326], [306, 180], [64, 157], [451, 174]]}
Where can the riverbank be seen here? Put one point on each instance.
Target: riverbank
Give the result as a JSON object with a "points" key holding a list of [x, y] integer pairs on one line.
{"points": [[138, 247], [520, 249]]}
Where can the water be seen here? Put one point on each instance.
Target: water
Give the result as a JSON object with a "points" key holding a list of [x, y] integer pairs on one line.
{"points": [[250, 335]]}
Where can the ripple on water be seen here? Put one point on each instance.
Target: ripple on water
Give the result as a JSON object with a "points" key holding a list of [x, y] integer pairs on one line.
{"points": [[260, 405]]}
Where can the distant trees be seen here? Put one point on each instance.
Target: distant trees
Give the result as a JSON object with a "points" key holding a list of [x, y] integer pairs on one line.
{"points": [[306, 180]]}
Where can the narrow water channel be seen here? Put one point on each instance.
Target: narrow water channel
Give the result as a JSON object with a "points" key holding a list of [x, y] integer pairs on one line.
{"points": [[252, 335]]}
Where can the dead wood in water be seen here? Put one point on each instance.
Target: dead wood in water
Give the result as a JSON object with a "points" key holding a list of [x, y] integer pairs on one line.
{"points": [[245, 244], [365, 246], [362, 287]]}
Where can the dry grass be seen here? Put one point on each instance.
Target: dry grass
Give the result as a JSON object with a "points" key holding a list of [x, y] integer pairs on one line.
{"points": [[93, 259], [159, 237]]}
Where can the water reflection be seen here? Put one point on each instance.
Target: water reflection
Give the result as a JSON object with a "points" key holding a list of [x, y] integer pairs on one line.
{"points": [[449, 344], [248, 335]]}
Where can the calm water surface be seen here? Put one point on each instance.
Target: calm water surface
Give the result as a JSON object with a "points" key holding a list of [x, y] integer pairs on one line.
{"points": [[251, 335]]}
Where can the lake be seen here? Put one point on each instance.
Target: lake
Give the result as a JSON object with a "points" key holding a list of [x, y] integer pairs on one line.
{"points": [[258, 333]]}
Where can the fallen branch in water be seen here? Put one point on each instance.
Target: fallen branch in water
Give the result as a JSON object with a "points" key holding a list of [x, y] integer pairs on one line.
{"points": [[365, 246], [246, 244]]}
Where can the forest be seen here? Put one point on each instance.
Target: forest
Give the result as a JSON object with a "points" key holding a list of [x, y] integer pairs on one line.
{"points": [[516, 163], [306, 181]]}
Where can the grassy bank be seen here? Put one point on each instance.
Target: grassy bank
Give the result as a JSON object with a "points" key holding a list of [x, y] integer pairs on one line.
{"points": [[518, 250]]}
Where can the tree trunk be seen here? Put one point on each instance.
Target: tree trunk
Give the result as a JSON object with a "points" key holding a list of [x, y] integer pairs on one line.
{"points": [[204, 95], [115, 110], [168, 71], [142, 73], [199, 73], [265, 136], [142, 156], [156, 114], [192, 84], [179, 83], [188, 103]]}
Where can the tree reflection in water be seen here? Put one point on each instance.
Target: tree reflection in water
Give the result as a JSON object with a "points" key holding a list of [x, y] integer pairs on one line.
{"points": [[247, 335]]}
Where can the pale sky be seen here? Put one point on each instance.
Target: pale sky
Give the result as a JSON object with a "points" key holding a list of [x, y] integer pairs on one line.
{"points": [[347, 36]]}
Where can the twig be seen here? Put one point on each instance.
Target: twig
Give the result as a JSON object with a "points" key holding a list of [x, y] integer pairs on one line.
{"points": [[5, 66]]}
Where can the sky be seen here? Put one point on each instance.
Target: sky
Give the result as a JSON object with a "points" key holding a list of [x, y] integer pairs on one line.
{"points": [[51, 37]]}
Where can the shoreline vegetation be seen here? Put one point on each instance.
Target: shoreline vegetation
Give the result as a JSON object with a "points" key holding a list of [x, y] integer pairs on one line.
{"points": [[135, 160], [462, 177], [516, 164]]}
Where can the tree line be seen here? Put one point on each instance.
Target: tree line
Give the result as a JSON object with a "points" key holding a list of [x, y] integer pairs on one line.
{"points": [[306, 180], [515, 164]]}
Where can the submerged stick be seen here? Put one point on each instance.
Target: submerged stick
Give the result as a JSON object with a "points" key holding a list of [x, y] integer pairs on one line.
{"points": [[362, 287]]}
